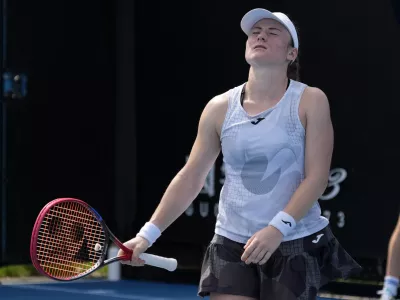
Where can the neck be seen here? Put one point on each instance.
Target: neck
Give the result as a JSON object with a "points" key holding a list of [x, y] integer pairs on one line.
{"points": [[266, 85]]}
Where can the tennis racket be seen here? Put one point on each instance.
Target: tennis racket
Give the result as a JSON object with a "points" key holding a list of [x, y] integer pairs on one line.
{"points": [[70, 240]]}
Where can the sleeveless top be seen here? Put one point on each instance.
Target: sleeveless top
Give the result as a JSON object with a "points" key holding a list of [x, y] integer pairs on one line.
{"points": [[263, 157]]}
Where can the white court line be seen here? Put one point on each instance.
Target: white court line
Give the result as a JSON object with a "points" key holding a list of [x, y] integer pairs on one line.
{"points": [[93, 292]]}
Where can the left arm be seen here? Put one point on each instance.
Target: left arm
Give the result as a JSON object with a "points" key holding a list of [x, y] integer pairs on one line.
{"points": [[318, 154]]}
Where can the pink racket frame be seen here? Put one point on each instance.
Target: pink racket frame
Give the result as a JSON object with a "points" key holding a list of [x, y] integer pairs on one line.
{"points": [[108, 236]]}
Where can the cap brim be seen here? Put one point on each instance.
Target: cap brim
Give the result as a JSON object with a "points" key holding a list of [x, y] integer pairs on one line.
{"points": [[255, 15]]}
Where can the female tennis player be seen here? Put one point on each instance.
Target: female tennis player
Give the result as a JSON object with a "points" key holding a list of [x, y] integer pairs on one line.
{"points": [[276, 137], [391, 283]]}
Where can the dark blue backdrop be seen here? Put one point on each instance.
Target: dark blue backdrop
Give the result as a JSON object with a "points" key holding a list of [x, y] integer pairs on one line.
{"points": [[115, 96]]}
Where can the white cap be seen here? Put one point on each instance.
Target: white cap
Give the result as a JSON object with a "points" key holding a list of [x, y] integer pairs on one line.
{"points": [[255, 15]]}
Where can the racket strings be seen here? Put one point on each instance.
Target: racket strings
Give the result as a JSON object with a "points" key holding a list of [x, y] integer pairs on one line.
{"points": [[67, 239]]}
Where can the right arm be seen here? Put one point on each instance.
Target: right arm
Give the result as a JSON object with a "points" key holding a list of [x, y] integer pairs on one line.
{"points": [[189, 181]]}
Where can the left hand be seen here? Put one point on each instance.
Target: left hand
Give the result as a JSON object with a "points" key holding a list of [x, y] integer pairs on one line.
{"points": [[262, 245]]}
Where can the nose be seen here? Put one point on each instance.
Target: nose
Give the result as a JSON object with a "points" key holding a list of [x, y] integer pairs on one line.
{"points": [[262, 37]]}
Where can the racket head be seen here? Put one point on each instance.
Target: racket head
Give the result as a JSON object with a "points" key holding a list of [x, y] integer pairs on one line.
{"points": [[66, 238]]}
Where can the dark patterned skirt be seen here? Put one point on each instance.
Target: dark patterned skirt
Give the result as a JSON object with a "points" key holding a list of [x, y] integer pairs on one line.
{"points": [[295, 271]]}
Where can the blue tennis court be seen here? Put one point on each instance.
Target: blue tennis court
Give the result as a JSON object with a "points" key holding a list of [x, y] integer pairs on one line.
{"points": [[99, 289]]}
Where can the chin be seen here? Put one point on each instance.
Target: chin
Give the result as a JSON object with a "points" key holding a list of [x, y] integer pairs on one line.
{"points": [[258, 60], [261, 60]]}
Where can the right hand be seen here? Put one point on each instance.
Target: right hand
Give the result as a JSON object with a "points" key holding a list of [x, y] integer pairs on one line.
{"points": [[138, 245]]}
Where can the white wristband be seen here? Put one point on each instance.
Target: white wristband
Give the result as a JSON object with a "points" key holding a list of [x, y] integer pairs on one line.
{"points": [[150, 232], [391, 285], [284, 222]]}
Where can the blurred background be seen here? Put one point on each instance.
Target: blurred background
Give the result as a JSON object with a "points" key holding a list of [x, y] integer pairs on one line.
{"points": [[101, 100]]}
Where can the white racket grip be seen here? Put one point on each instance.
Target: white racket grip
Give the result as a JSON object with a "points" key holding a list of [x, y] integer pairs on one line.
{"points": [[169, 264]]}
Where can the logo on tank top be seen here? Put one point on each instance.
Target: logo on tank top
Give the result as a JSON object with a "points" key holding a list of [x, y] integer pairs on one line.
{"points": [[258, 121], [260, 174]]}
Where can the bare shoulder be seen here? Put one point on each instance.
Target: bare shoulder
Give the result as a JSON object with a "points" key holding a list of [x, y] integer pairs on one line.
{"points": [[218, 104], [313, 102], [216, 109], [314, 99]]}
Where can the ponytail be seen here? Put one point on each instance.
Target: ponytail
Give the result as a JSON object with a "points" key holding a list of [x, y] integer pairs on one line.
{"points": [[293, 71]]}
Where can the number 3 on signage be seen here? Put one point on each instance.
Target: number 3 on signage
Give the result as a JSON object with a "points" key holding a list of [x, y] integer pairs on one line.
{"points": [[341, 221], [340, 215]]}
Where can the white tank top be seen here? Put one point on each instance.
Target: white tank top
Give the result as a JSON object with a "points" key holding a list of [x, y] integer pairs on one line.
{"points": [[264, 164]]}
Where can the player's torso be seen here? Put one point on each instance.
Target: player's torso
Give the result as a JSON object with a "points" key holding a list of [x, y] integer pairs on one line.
{"points": [[263, 157]]}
